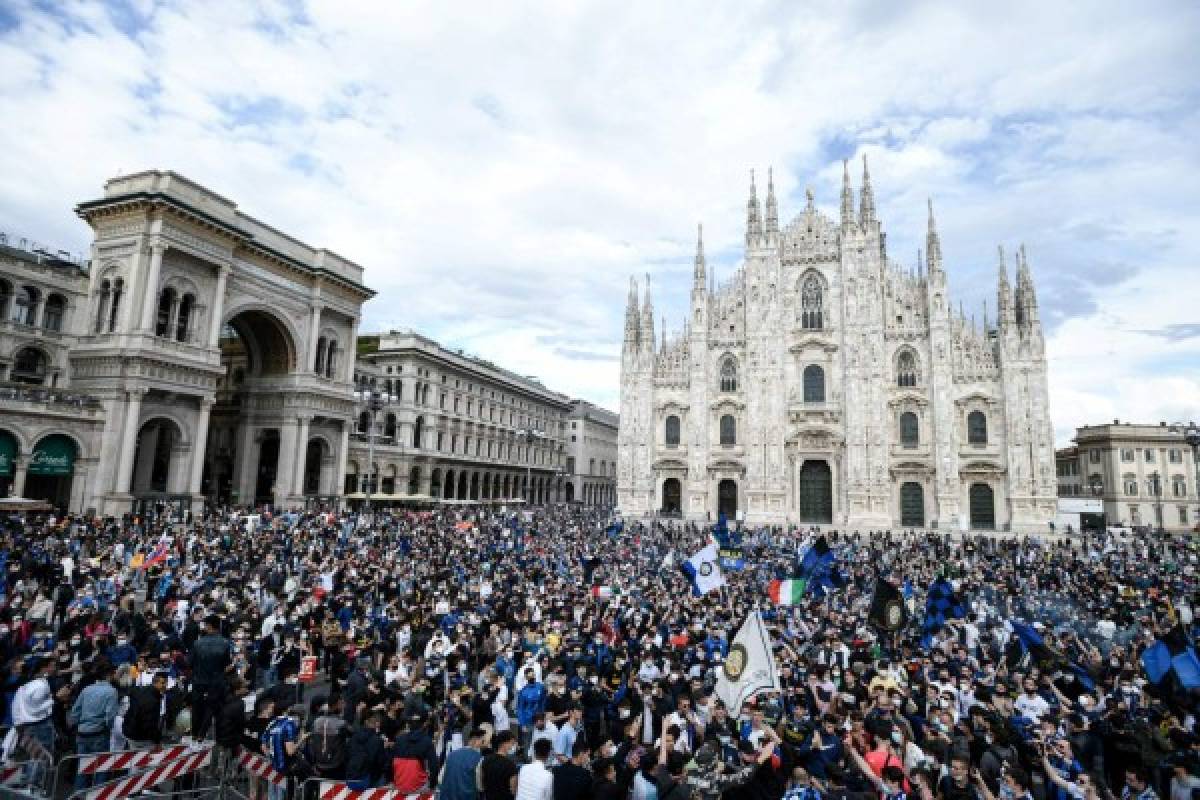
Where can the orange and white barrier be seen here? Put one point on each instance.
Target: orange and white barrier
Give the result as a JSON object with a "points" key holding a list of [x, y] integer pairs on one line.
{"points": [[152, 777], [338, 790], [130, 759], [260, 766]]}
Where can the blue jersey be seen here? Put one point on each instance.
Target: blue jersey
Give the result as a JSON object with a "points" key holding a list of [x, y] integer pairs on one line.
{"points": [[274, 739]]}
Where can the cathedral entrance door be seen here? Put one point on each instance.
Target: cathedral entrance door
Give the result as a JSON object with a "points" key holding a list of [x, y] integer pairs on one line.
{"points": [[672, 496], [912, 505], [816, 492], [983, 507], [727, 501]]}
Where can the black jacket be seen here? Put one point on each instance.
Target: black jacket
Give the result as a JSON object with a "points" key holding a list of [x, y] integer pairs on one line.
{"points": [[209, 657], [143, 720], [365, 757], [229, 722]]}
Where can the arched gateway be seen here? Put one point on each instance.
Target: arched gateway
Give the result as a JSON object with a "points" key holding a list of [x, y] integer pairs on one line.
{"points": [[225, 369]]}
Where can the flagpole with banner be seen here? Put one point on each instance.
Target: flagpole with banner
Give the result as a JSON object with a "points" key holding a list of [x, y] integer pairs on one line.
{"points": [[749, 669]]}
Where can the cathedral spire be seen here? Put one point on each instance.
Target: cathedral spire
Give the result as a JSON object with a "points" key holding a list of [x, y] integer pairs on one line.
{"points": [[1004, 315], [1025, 286], [648, 317], [933, 244], [699, 274], [632, 317], [866, 203], [772, 207], [753, 220], [847, 196]]}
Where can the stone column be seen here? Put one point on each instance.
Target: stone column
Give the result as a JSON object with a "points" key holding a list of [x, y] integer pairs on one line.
{"points": [[285, 467], [340, 458], [178, 476], [20, 470], [245, 468], [199, 448], [217, 308], [297, 488], [150, 290], [351, 349], [314, 333], [128, 443]]}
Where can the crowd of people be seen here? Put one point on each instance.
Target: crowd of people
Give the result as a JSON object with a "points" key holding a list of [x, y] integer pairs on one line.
{"points": [[493, 654]]}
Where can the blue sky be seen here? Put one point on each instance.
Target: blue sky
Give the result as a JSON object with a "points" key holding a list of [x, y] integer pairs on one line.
{"points": [[501, 176]]}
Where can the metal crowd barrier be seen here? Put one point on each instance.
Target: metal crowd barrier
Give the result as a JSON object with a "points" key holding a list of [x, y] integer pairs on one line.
{"points": [[325, 789], [157, 766], [33, 774]]}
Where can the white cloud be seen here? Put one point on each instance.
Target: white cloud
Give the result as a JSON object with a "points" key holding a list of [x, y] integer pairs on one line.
{"points": [[501, 175]]}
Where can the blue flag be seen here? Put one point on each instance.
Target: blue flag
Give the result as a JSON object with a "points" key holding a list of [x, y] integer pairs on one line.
{"points": [[941, 603], [1172, 654], [818, 568]]}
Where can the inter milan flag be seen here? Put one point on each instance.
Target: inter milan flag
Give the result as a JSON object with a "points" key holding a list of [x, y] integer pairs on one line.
{"points": [[941, 603], [1173, 654], [887, 607], [818, 568]]}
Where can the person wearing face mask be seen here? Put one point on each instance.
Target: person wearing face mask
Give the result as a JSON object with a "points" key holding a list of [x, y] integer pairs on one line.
{"points": [[122, 652], [498, 769]]}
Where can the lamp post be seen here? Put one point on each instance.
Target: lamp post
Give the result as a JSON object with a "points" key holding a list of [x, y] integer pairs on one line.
{"points": [[374, 400], [529, 436], [1156, 490]]}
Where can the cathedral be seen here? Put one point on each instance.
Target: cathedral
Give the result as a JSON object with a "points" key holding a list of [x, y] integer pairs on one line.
{"points": [[825, 384]]}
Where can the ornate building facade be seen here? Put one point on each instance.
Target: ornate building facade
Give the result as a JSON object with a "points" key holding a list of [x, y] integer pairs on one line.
{"points": [[824, 383], [200, 355]]}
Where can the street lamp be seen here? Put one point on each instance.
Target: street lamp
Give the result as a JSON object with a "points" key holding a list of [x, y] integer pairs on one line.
{"points": [[529, 436], [374, 400], [1156, 490]]}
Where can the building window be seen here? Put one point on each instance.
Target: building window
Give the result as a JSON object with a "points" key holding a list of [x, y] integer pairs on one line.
{"points": [[672, 431], [728, 431], [1096, 483], [29, 366], [571, 464], [441, 441], [1179, 486], [183, 320], [1183, 517], [906, 369], [1095, 456], [1131, 485], [729, 375], [812, 304], [418, 433], [1175, 456], [814, 384], [52, 315], [976, 428], [909, 430], [363, 422], [1126, 454], [25, 303], [1149, 456]]}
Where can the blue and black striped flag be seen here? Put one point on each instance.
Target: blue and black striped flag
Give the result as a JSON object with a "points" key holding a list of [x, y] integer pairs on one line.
{"points": [[818, 568], [941, 603], [1172, 654]]}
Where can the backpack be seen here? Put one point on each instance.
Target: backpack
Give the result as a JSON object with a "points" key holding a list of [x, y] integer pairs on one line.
{"points": [[327, 749]]}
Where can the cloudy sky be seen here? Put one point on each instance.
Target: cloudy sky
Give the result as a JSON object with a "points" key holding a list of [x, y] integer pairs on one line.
{"points": [[502, 175]]}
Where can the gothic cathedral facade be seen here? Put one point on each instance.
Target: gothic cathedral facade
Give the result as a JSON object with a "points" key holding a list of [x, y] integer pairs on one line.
{"points": [[824, 384]]}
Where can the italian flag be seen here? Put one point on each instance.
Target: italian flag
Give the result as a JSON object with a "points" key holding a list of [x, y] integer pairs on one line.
{"points": [[787, 593], [602, 592]]}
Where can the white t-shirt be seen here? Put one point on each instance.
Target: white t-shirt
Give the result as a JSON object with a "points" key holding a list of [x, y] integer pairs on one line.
{"points": [[535, 782]]}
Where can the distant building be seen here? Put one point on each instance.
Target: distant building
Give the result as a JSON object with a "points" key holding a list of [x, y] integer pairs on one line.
{"points": [[1145, 474], [456, 426], [1066, 467], [592, 459]]}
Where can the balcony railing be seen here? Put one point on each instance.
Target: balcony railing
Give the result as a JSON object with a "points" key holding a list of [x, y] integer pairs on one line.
{"points": [[46, 396]]}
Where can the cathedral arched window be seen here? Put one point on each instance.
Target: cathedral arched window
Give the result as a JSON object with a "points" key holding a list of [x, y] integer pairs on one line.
{"points": [[672, 431], [906, 369], [909, 429], [977, 428], [814, 384], [812, 303], [728, 431], [729, 375]]}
